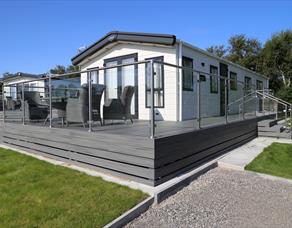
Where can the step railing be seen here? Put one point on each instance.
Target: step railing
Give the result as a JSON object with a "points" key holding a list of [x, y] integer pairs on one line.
{"points": [[287, 105], [266, 94]]}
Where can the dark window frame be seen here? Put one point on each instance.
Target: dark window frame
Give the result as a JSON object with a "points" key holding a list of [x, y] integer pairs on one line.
{"points": [[257, 83], [161, 59], [231, 73], [247, 86], [212, 76], [185, 88]]}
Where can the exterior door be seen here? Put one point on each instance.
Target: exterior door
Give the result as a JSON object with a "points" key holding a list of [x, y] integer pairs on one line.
{"points": [[223, 73], [116, 79]]}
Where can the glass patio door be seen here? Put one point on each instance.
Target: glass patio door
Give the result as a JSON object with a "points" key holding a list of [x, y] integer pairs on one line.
{"points": [[116, 79], [111, 81], [128, 79]]}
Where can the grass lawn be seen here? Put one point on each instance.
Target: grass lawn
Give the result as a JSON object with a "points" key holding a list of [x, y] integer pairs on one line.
{"points": [[35, 193], [275, 160]]}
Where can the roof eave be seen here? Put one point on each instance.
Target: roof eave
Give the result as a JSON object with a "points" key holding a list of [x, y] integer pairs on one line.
{"points": [[162, 39]]}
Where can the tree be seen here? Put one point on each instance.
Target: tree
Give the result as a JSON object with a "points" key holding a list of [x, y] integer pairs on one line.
{"points": [[72, 68], [245, 51], [241, 50], [285, 94], [277, 60], [60, 69], [218, 50]]}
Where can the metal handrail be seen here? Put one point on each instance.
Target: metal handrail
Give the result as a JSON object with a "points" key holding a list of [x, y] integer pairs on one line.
{"points": [[241, 98], [279, 101], [287, 103], [54, 76], [273, 98]]}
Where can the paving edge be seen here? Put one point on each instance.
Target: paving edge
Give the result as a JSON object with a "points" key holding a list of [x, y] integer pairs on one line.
{"points": [[226, 165], [270, 177], [262, 175], [131, 214]]}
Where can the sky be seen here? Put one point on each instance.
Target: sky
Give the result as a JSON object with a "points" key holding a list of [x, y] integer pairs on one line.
{"points": [[36, 35]]}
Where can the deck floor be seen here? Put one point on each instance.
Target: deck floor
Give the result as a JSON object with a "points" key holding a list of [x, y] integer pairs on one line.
{"points": [[141, 128]]}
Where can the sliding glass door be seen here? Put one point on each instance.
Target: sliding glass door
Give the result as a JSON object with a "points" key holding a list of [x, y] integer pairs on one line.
{"points": [[116, 79], [111, 81]]}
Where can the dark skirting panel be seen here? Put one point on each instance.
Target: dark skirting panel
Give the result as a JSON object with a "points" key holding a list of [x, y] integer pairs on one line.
{"points": [[178, 153], [124, 156]]}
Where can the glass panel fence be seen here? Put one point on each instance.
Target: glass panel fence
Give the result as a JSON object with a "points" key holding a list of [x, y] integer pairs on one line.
{"points": [[250, 104], [212, 100], [109, 99], [170, 116], [115, 102], [13, 110], [235, 101], [36, 108], [69, 101], [282, 113], [269, 106]]}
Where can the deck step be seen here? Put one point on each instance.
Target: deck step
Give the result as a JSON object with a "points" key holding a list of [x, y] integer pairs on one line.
{"points": [[275, 128], [267, 123], [275, 134]]}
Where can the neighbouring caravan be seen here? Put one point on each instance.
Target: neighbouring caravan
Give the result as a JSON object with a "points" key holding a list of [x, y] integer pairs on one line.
{"points": [[12, 84], [176, 91]]}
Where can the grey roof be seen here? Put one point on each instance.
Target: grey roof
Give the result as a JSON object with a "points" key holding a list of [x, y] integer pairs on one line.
{"points": [[114, 36], [20, 75]]}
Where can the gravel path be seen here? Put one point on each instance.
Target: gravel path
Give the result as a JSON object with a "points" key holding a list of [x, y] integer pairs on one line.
{"points": [[224, 198]]}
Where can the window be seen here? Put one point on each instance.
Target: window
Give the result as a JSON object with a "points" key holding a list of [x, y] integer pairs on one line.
{"points": [[259, 85], [233, 81], [223, 70], [202, 78], [94, 76], [247, 83], [33, 87], [213, 79], [158, 83], [187, 74]]}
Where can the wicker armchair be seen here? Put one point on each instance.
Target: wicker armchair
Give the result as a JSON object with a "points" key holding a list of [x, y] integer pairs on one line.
{"points": [[120, 109], [77, 109]]}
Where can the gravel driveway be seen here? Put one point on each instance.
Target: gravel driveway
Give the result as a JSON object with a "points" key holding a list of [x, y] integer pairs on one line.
{"points": [[224, 198]]}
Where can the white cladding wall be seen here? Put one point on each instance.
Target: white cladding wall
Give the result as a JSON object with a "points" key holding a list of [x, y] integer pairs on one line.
{"points": [[169, 112], [210, 102]]}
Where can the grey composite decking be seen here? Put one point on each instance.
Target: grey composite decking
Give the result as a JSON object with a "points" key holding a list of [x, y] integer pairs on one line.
{"points": [[127, 151]]}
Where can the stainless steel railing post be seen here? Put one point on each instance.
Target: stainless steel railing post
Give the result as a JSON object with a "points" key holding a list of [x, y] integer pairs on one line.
{"points": [[152, 111], [226, 100], [89, 83], [277, 107], [286, 120], [243, 105], [22, 104], [50, 101], [198, 101], [3, 103], [263, 103]]}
